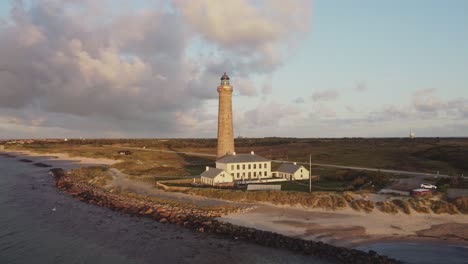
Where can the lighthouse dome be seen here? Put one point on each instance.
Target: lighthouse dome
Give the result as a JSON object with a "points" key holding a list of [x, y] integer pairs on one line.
{"points": [[224, 77]]}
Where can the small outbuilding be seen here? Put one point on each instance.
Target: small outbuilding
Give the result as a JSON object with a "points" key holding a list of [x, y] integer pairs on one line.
{"points": [[216, 177], [292, 171], [124, 152]]}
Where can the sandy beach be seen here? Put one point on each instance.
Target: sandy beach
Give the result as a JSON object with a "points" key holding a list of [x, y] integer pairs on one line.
{"points": [[349, 228], [64, 156]]}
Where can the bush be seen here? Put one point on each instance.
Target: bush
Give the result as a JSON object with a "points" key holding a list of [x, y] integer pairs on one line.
{"points": [[462, 204], [419, 205], [443, 207], [315, 200], [403, 205], [365, 205], [387, 207]]}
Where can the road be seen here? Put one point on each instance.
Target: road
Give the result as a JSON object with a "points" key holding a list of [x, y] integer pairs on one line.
{"points": [[398, 172]]}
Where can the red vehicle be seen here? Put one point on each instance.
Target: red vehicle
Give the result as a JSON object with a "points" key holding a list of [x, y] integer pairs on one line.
{"points": [[420, 192]]}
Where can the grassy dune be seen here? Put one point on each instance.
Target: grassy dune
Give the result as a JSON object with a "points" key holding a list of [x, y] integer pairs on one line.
{"points": [[447, 155]]}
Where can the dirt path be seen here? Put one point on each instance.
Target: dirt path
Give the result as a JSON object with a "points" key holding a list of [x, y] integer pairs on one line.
{"points": [[121, 180]]}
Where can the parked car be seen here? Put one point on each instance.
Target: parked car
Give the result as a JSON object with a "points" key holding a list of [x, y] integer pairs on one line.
{"points": [[428, 186], [420, 192]]}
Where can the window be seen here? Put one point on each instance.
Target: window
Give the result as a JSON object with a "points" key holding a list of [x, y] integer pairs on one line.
{"points": [[255, 166], [243, 167], [301, 170], [255, 173], [249, 174], [249, 166], [265, 173], [232, 174], [260, 173], [238, 166], [264, 166], [238, 175]]}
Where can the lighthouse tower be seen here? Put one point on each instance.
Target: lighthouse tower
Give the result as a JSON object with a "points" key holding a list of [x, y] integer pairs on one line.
{"points": [[225, 129]]}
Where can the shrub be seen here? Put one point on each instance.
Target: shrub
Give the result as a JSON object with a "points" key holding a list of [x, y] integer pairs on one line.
{"points": [[462, 204], [419, 205], [443, 207], [365, 205], [403, 205], [387, 207]]}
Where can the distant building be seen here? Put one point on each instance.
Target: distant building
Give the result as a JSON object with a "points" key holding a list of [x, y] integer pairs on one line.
{"points": [[411, 134], [292, 171], [216, 177], [244, 167]]}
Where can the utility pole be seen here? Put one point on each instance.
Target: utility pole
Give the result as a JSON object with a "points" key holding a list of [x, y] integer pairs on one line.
{"points": [[310, 173]]}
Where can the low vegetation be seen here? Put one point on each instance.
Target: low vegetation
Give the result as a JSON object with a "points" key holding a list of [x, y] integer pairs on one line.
{"points": [[97, 176], [420, 205], [362, 204], [402, 205], [315, 200], [462, 204], [387, 207], [447, 156], [443, 207]]}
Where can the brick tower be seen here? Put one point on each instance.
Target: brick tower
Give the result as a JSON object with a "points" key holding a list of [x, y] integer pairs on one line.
{"points": [[225, 129]]}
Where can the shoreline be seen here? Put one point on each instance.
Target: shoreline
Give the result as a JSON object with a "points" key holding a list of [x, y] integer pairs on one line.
{"points": [[293, 228], [203, 221], [348, 228], [207, 222], [64, 156]]}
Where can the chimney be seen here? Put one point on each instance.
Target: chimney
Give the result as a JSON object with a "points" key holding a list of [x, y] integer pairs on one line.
{"points": [[295, 163], [207, 168], [234, 153], [252, 153]]}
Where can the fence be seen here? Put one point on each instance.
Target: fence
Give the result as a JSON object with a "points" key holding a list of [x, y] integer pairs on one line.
{"points": [[263, 187]]}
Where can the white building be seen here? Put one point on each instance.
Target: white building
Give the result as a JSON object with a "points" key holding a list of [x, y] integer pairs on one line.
{"points": [[214, 176], [292, 171], [243, 167]]}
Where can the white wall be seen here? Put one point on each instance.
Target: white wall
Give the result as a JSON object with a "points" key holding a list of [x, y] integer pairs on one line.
{"points": [[254, 168], [223, 177], [298, 175]]}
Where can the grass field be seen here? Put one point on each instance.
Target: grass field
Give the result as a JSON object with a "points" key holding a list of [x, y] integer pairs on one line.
{"points": [[446, 155]]}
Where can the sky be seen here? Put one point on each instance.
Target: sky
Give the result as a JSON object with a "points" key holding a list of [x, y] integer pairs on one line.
{"points": [[322, 68]]}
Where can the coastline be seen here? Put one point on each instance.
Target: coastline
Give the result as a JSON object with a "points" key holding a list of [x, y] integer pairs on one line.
{"points": [[205, 220], [302, 224], [349, 228], [64, 156]]}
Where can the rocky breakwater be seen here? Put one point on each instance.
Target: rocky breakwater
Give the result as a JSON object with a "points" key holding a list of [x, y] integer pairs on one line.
{"points": [[204, 220]]}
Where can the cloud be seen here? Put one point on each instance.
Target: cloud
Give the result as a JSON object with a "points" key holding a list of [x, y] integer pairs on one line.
{"points": [[388, 113], [326, 95], [108, 66], [323, 111], [254, 36], [299, 100], [350, 109], [360, 86], [269, 114], [426, 101], [245, 87], [429, 105]]}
